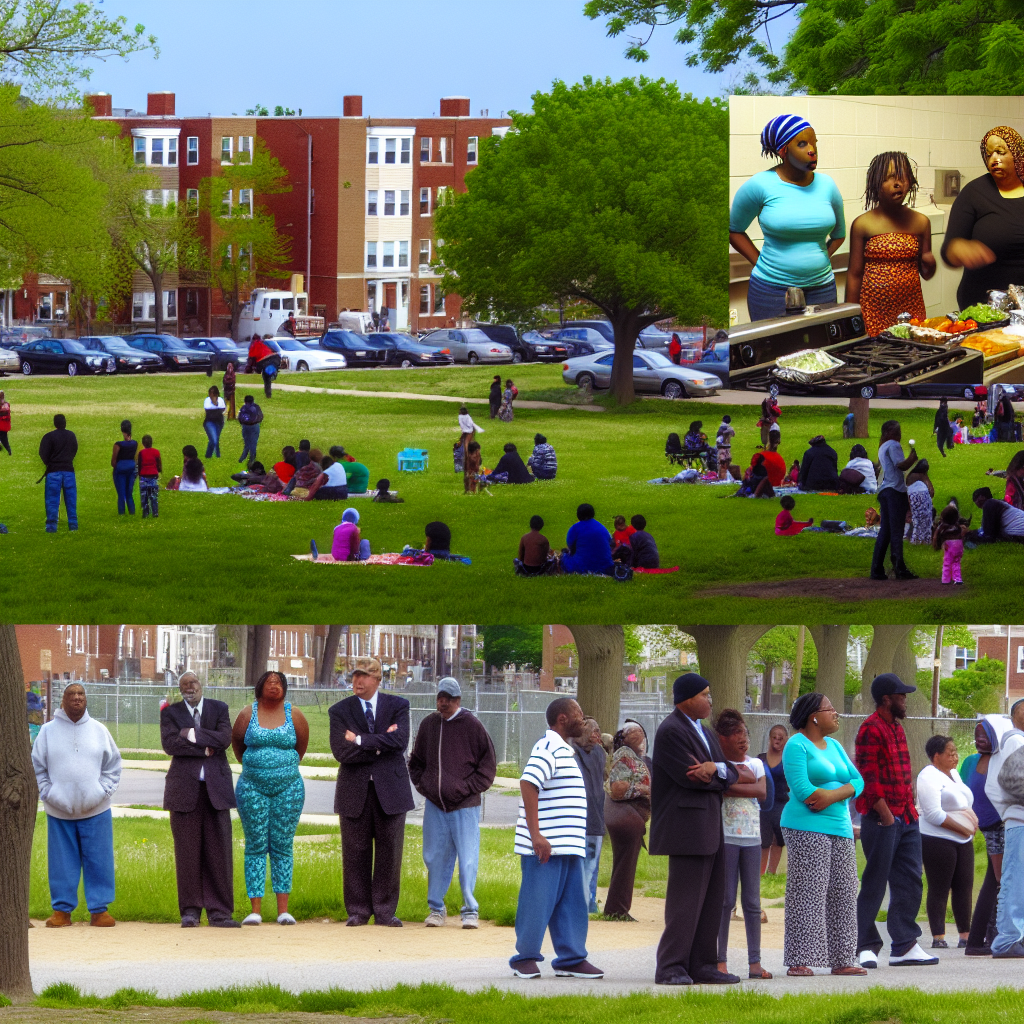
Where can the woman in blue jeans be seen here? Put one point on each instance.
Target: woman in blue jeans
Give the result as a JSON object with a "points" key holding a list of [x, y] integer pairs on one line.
{"points": [[123, 462], [213, 420]]}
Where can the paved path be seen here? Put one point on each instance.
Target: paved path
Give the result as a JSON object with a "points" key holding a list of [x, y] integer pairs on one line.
{"points": [[413, 396]]}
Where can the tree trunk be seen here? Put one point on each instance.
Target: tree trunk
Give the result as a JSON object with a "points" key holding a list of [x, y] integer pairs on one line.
{"points": [[325, 675], [904, 664], [259, 652], [885, 642], [722, 656], [18, 796], [766, 686], [626, 330], [602, 651], [830, 643], [798, 665], [861, 408], [936, 666], [157, 277]]}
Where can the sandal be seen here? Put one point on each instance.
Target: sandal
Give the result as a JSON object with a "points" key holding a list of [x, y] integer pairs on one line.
{"points": [[763, 976], [849, 972], [800, 972]]}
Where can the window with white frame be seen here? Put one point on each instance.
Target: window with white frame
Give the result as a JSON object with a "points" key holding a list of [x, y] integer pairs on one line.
{"points": [[443, 155], [69, 640], [371, 202], [145, 643], [245, 149], [172, 152], [371, 254], [80, 640], [424, 202], [192, 202], [307, 645], [425, 300], [389, 255], [245, 201], [192, 150], [403, 256], [373, 151], [471, 146], [144, 305], [140, 150], [403, 205], [293, 650], [273, 644], [131, 643], [156, 156], [405, 287], [424, 150], [438, 300], [225, 203], [389, 151], [356, 638], [424, 253], [226, 149], [1020, 659], [406, 151], [389, 203]]}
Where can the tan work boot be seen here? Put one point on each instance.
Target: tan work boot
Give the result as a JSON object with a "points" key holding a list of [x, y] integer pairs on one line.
{"points": [[102, 920], [59, 919]]}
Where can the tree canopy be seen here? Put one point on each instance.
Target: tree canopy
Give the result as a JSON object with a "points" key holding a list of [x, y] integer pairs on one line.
{"points": [[612, 193], [976, 690], [514, 645]]}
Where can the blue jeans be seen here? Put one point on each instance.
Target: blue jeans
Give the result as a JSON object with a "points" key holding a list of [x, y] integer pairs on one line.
{"points": [[551, 899], [124, 483], [893, 506], [893, 854], [250, 438], [448, 835], [213, 433], [591, 863], [1010, 910], [74, 848], [767, 301], [55, 483]]}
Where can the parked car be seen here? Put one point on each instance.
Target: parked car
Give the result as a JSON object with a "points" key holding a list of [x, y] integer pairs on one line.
{"points": [[9, 361], [404, 350], [176, 355], [357, 349], [715, 360], [301, 358], [652, 373], [12, 337], [222, 351], [650, 337], [55, 355], [530, 347], [469, 345], [126, 358], [582, 341]]}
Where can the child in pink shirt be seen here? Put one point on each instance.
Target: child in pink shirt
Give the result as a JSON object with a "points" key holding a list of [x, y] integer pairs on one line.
{"points": [[785, 524]]}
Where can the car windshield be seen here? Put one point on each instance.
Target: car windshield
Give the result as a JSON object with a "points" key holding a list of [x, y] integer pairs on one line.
{"points": [[289, 345], [475, 334], [74, 346], [657, 360]]}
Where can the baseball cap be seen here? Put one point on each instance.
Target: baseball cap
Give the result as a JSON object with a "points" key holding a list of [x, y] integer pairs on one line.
{"points": [[889, 682], [450, 686]]}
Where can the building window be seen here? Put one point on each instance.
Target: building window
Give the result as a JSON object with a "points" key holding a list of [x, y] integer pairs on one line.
{"points": [[172, 152], [438, 301], [245, 201], [471, 150], [403, 206], [225, 204], [294, 650], [225, 149], [192, 156], [371, 254], [156, 156], [131, 643], [373, 151], [406, 150], [171, 305], [140, 151], [405, 291], [272, 652], [145, 643], [192, 202], [1020, 659], [424, 254], [389, 151], [245, 149], [403, 256], [424, 202], [442, 150], [371, 203], [80, 639], [356, 637], [389, 255], [424, 150], [389, 203], [307, 645], [191, 302]]}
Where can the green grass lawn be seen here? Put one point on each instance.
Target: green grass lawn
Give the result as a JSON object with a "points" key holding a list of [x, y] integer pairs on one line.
{"points": [[224, 559]]}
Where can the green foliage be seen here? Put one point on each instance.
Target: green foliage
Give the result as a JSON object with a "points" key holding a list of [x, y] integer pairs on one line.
{"points": [[261, 111], [521, 646], [975, 690], [606, 193]]}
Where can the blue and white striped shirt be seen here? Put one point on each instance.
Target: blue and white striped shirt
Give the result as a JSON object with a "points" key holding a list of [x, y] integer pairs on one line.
{"points": [[562, 799]]}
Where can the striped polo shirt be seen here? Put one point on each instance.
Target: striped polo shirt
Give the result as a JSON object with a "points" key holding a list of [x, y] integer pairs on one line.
{"points": [[562, 799]]}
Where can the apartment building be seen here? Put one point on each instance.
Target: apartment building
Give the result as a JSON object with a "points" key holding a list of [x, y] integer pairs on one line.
{"points": [[359, 216]]}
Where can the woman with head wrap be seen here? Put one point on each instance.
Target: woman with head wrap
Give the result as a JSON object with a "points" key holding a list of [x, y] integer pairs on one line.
{"points": [[348, 544], [800, 212], [985, 226]]}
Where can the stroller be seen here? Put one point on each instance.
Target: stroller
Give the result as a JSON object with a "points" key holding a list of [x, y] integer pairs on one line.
{"points": [[459, 456]]}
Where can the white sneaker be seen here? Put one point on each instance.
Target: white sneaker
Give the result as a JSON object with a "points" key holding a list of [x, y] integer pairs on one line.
{"points": [[436, 919], [914, 957], [285, 918], [867, 958], [253, 919], [470, 921]]}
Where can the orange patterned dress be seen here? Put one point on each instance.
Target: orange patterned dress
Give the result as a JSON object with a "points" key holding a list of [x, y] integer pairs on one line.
{"points": [[892, 280]]}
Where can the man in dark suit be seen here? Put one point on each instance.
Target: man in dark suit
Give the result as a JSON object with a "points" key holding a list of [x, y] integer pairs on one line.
{"points": [[199, 793], [690, 775], [369, 736]]}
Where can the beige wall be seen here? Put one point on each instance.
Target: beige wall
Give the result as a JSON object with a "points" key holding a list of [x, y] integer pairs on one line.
{"points": [[937, 132]]}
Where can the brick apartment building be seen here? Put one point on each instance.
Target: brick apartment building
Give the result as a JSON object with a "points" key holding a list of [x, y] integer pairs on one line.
{"points": [[359, 215]]}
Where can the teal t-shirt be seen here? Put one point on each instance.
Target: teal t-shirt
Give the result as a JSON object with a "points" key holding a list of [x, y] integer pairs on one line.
{"points": [[807, 768], [797, 222]]}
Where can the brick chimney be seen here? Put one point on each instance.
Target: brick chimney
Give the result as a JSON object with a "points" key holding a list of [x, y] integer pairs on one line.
{"points": [[101, 103], [160, 104], [353, 106], [455, 106]]}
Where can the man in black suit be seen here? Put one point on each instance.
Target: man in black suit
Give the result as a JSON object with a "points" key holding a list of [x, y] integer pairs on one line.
{"points": [[690, 775], [199, 793], [369, 735]]}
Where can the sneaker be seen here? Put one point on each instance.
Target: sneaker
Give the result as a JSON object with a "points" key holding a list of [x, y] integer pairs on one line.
{"points": [[940, 944], [285, 918], [313, 550], [526, 969], [914, 957], [252, 919], [868, 958], [583, 969], [470, 921], [436, 919]]}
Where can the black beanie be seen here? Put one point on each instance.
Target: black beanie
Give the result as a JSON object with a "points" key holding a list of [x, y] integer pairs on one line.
{"points": [[687, 686]]}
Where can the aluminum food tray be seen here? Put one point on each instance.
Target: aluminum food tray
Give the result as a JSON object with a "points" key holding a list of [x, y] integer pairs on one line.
{"points": [[789, 373]]}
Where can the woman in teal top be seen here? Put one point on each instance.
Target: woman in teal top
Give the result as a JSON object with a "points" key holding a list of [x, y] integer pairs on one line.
{"points": [[821, 872], [801, 216], [269, 738]]}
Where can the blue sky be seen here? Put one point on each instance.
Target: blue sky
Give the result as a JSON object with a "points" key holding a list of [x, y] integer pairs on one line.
{"points": [[224, 56]]}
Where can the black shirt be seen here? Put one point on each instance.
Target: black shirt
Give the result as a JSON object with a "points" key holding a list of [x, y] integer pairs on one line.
{"points": [[591, 764], [127, 450], [58, 449], [980, 213], [645, 551], [512, 463]]}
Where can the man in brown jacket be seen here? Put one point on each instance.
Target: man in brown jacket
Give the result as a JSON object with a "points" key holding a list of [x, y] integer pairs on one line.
{"points": [[452, 763]]}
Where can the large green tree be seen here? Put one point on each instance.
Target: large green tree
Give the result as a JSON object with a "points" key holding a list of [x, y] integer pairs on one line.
{"points": [[514, 645], [885, 47], [610, 193], [976, 690]]}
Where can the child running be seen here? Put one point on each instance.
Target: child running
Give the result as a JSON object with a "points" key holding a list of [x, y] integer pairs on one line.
{"points": [[948, 537], [150, 468], [785, 524]]}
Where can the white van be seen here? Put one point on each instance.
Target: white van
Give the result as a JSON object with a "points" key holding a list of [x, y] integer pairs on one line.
{"points": [[267, 310], [355, 321]]}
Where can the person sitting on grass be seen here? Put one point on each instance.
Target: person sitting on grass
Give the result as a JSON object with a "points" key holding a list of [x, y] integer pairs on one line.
{"points": [[306, 475], [999, 520], [255, 474], [819, 469], [193, 477], [285, 469], [383, 493], [589, 545], [535, 556], [773, 461], [348, 544], [642, 544], [785, 524], [858, 475], [793, 476], [439, 539], [356, 474], [756, 483], [510, 468], [543, 461], [331, 484], [302, 455], [622, 532]]}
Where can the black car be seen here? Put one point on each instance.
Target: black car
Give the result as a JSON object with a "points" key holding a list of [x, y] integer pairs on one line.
{"points": [[357, 349], [126, 358], [526, 348], [582, 341], [403, 350], [56, 355], [176, 355], [221, 350]]}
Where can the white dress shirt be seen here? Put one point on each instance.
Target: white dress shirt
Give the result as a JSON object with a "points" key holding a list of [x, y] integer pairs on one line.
{"points": [[720, 766], [193, 711]]}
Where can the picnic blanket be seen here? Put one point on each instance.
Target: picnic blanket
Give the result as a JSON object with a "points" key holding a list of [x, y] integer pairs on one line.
{"points": [[393, 558], [653, 572], [257, 493]]}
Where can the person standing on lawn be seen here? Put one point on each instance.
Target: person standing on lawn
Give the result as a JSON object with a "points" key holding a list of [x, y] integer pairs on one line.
{"points": [[213, 420], [229, 389], [5, 422], [150, 467], [58, 449], [78, 768], [369, 733], [199, 793], [772, 841], [265, 361], [689, 779], [893, 504], [122, 461], [551, 840], [889, 831], [494, 398], [591, 758], [452, 763], [250, 416]]}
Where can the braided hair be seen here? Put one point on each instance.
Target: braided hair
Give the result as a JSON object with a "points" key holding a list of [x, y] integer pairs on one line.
{"points": [[878, 171], [804, 707]]}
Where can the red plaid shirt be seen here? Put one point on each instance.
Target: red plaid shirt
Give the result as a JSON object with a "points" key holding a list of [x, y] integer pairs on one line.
{"points": [[883, 759]]}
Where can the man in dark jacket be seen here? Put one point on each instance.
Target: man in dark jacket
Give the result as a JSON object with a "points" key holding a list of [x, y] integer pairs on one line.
{"points": [[199, 793], [58, 449], [591, 758], [690, 775], [494, 398], [645, 550], [512, 465], [452, 763], [819, 469], [369, 732]]}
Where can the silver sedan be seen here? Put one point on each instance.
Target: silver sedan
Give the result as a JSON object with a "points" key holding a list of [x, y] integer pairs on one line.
{"points": [[9, 361], [653, 373]]}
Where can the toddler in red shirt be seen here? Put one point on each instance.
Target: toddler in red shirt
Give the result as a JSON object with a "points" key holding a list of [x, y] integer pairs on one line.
{"points": [[622, 531], [785, 524], [150, 468]]}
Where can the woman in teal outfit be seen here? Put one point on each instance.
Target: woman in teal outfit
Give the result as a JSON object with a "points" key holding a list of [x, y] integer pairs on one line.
{"points": [[269, 739]]}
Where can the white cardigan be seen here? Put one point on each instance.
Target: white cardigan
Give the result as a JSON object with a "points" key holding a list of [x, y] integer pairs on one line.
{"points": [[937, 795]]}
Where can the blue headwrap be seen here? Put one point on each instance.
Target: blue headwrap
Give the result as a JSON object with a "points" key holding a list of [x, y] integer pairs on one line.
{"points": [[780, 130], [350, 515]]}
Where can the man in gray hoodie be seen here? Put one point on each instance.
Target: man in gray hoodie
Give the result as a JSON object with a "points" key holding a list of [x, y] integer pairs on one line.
{"points": [[78, 768]]}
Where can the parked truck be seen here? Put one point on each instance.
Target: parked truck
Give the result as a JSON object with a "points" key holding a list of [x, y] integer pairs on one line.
{"points": [[267, 310]]}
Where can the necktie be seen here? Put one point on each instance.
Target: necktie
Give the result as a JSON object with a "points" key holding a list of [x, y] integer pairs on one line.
{"points": [[195, 717], [369, 715]]}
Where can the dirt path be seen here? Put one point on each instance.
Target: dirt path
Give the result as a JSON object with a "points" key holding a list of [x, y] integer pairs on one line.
{"points": [[854, 588]]}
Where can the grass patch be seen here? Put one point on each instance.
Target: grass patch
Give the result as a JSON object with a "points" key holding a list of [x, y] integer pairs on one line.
{"points": [[604, 458], [509, 770]]}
